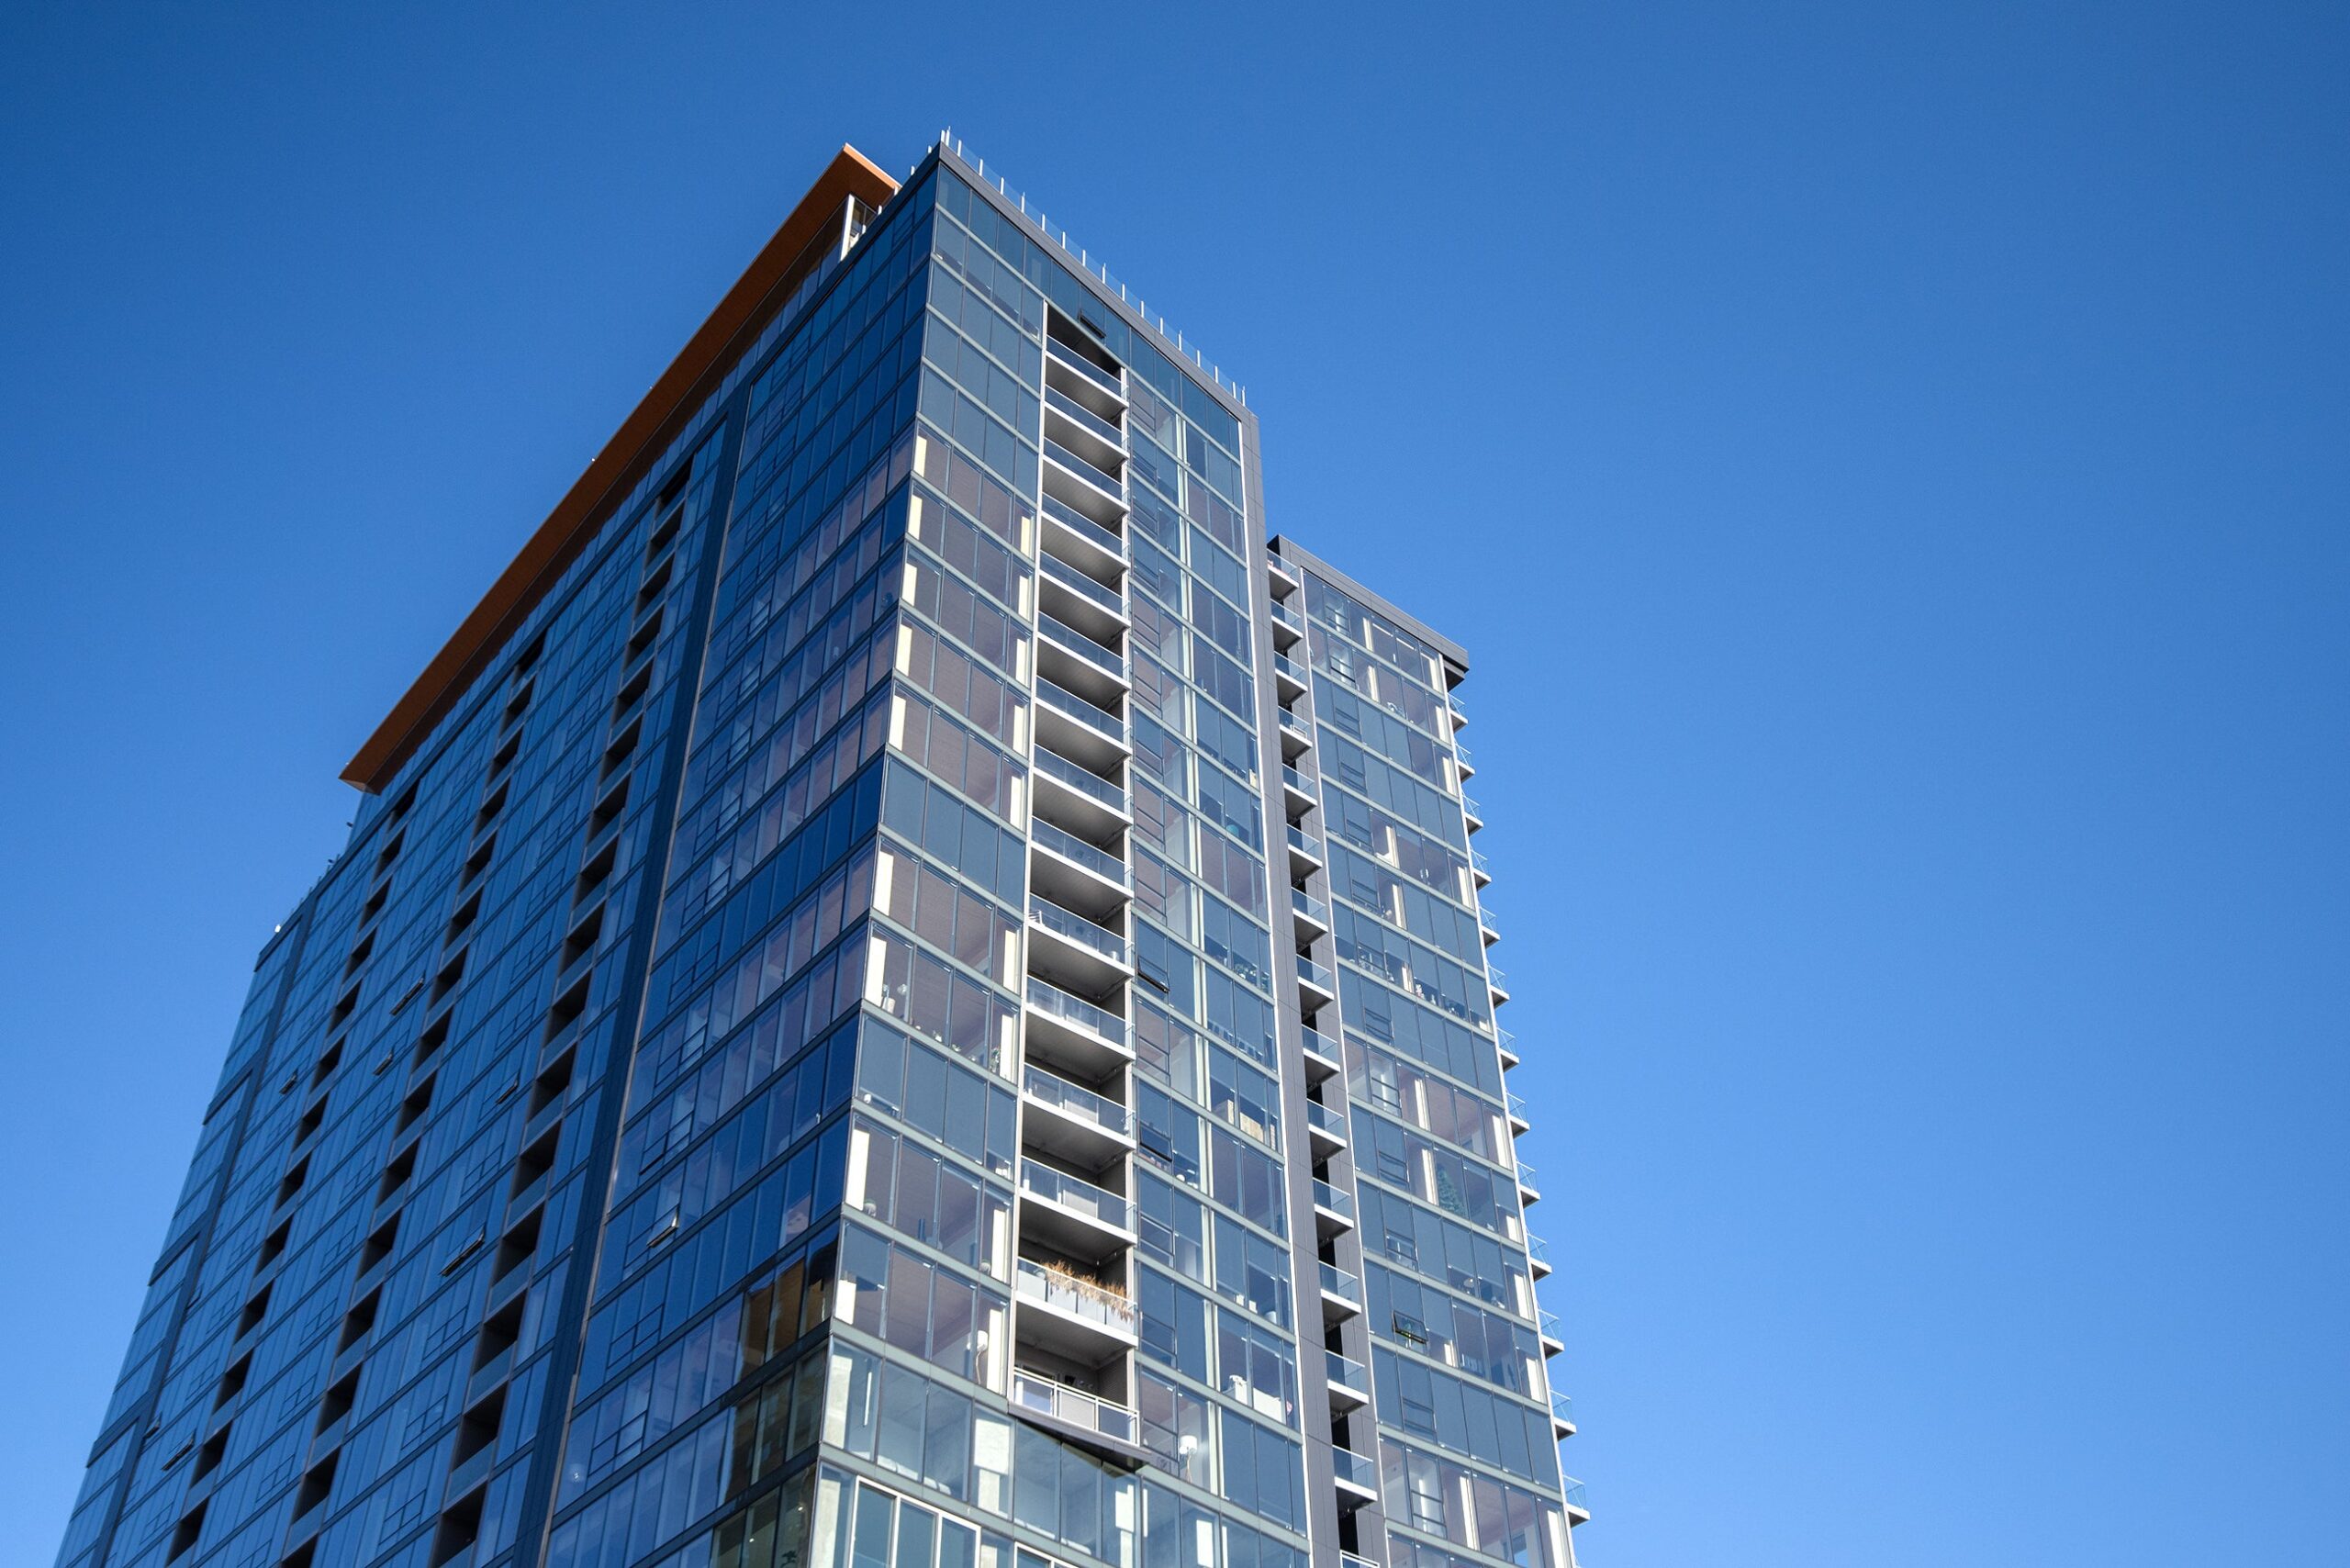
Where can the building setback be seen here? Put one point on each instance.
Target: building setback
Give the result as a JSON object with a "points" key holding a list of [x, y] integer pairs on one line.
{"points": [[906, 989]]}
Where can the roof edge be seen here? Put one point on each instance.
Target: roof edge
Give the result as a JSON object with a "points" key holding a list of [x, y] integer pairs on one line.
{"points": [[558, 541], [1291, 550]]}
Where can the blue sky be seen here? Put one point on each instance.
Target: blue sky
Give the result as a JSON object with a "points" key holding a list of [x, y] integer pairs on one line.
{"points": [[1888, 464]]}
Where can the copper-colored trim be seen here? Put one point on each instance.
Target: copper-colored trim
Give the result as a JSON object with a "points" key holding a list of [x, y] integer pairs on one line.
{"points": [[705, 359]]}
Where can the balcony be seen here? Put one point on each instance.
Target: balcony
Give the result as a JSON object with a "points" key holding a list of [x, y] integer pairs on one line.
{"points": [[1297, 731], [1508, 1042], [1069, 795], [1322, 1057], [1356, 1475], [1474, 812], [1529, 1185], [1282, 576], [1480, 868], [1107, 1429], [1311, 914], [1459, 715], [1341, 1295], [1297, 793], [1059, 356], [1088, 544], [1334, 1211], [1317, 985], [1072, 1215], [1086, 595], [1538, 1254], [1077, 727], [1305, 853], [1287, 627], [1562, 1414], [1578, 1504], [1326, 1128], [1554, 1333], [1497, 982], [1461, 757], [1348, 1379], [1290, 682], [1073, 952], [1092, 669], [1111, 488], [1089, 1038], [1105, 880], [1081, 1319], [1083, 420], [1071, 1122]]}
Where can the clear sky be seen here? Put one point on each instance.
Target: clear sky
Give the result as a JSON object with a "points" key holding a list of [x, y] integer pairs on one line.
{"points": [[1888, 462]]}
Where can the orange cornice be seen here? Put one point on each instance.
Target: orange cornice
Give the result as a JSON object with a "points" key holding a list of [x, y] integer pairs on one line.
{"points": [[691, 376]]}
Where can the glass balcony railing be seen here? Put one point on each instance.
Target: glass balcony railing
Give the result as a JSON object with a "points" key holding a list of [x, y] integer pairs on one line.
{"points": [[1321, 1117], [1296, 781], [1318, 1043], [1285, 616], [1085, 367], [1047, 998], [1086, 471], [1291, 718], [1084, 780], [1537, 1250], [1553, 1327], [1107, 599], [1528, 1178], [1286, 665], [1069, 846], [1092, 715], [1346, 1371], [1306, 905], [1463, 752], [1078, 1296], [1576, 1497], [1317, 976], [1469, 804], [1078, 1196], [1084, 418], [1303, 844], [1357, 1470], [1084, 526], [1089, 934], [1052, 1089], [1074, 1406], [1508, 1040], [1348, 1560], [1563, 1408], [1325, 1196], [1337, 1282], [1477, 858], [1068, 639]]}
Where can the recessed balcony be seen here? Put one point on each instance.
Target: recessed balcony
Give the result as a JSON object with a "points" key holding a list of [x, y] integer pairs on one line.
{"points": [[1282, 576], [1334, 1211], [1348, 1379], [1297, 793], [1077, 727], [1095, 607], [1100, 441], [1305, 853], [1073, 952], [1078, 798], [1321, 1054], [1310, 915], [1103, 1425], [1287, 625], [1079, 662], [1077, 1318], [1318, 986], [1080, 482], [1071, 1215], [1296, 732], [1068, 870], [1075, 374], [1094, 546], [1076, 1124], [1326, 1128], [1090, 1039], [1289, 681], [1356, 1475], [1341, 1295]]}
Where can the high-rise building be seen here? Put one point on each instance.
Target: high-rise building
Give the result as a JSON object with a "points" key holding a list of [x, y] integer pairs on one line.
{"points": [[906, 989]]}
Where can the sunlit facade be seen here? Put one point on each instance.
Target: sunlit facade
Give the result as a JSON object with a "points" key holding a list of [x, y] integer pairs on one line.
{"points": [[906, 991]]}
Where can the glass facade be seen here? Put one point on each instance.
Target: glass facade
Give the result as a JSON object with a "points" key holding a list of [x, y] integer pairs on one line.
{"points": [[925, 1000]]}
